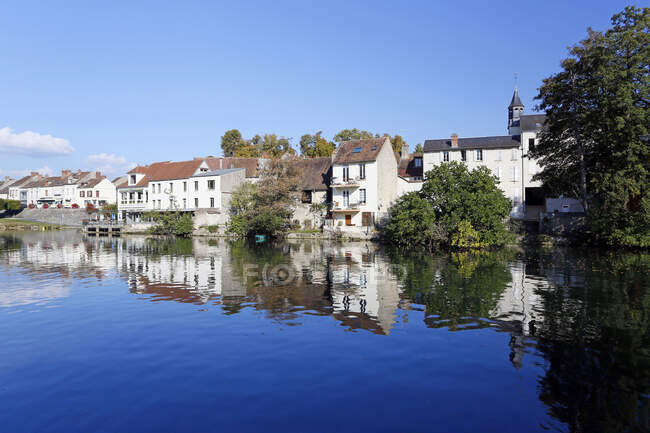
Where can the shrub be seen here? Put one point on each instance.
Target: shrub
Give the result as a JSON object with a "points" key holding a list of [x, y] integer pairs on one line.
{"points": [[175, 223], [412, 221], [465, 237], [211, 228], [75, 206]]}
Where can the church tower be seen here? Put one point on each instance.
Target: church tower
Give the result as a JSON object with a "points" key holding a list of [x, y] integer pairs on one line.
{"points": [[515, 110]]}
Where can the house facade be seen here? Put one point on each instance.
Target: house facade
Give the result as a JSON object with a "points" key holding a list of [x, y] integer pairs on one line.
{"points": [[313, 196], [505, 156], [71, 189], [177, 186], [363, 183], [4, 187]]}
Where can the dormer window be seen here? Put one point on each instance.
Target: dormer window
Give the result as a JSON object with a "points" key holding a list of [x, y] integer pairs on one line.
{"points": [[356, 150], [374, 147], [418, 162], [132, 179]]}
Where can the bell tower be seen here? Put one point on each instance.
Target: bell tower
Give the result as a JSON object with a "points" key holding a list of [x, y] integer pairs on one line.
{"points": [[515, 109]]}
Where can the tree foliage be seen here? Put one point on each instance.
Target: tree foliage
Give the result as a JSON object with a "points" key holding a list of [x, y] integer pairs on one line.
{"points": [[412, 222], [171, 223], [266, 207], [268, 145], [314, 146], [592, 146], [231, 141], [455, 208], [419, 148], [352, 134]]}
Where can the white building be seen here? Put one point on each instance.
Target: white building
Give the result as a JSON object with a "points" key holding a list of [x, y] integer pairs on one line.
{"points": [[4, 187], [364, 181], [506, 156], [178, 186], [71, 189]]}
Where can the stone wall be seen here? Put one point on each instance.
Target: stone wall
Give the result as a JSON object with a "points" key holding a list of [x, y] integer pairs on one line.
{"points": [[66, 217], [561, 223]]}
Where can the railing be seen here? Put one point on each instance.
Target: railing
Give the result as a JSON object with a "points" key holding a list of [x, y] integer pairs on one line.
{"points": [[349, 206]]}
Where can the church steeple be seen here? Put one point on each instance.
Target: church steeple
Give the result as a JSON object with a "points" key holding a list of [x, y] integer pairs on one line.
{"points": [[515, 109]]}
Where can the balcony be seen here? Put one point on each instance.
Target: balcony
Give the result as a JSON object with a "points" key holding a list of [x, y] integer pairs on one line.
{"points": [[338, 182], [350, 207]]}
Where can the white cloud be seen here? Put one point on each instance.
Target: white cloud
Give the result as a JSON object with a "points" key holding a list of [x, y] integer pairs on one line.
{"points": [[109, 163], [105, 158], [33, 144]]}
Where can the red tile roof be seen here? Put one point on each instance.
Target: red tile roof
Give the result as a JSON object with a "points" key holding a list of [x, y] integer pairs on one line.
{"points": [[359, 150]]}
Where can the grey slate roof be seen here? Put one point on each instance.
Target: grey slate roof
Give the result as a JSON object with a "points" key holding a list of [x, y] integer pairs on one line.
{"points": [[515, 102], [218, 172], [532, 122], [496, 142]]}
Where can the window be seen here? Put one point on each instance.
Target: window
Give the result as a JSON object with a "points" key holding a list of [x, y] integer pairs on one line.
{"points": [[82, 193], [362, 171], [306, 196], [184, 186], [479, 154], [346, 198], [498, 155], [499, 172], [463, 155], [196, 185], [514, 174], [171, 187], [184, 203], [171, 203], [146, 195], [211, 201], [418, 162], [132, 179], [211, 184], [514, 154], [158, 188], [96, 193], [531, 144], [356, 150], [445, 156], [362, 196], [196, 203], [346, 174]]}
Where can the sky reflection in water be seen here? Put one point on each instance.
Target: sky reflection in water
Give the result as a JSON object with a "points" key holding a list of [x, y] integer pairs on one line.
{"points": [[137, 334]]}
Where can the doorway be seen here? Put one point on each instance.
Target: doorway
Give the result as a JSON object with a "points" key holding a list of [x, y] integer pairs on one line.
{"points": [[348, 219]]}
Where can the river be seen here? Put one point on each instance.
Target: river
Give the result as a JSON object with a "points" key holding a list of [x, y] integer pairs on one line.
{"points": [[154, 335]]}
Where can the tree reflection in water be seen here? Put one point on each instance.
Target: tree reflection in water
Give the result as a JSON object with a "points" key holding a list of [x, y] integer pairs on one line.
{"points": [[584, 316]]}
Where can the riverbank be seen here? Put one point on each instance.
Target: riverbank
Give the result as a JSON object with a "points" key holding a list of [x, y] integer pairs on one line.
{"points": [[18, 225]]}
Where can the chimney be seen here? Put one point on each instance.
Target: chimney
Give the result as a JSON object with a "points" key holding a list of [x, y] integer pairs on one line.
{"points": [[65, 173], [454, 140], [98, 174], [404, 154]]}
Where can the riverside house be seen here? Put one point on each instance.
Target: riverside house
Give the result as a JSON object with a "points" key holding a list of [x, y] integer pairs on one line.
{"points": [[4, 187], [364, 182], [178, 186], [80, 188], [506, 156]]}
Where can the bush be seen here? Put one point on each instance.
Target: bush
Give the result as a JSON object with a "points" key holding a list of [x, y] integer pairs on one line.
{"points": [[175, 223], [211, 228], [75, 206], [412, 221], [10, 204], [456, 207]]}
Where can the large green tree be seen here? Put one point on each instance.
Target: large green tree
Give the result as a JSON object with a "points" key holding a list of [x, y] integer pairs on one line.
{"points": [[314, 146], [593, 146], [456, 207], [352, 134], [231, 141]]}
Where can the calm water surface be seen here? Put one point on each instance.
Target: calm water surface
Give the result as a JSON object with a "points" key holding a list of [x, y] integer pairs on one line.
{"points": [[142, 335]]}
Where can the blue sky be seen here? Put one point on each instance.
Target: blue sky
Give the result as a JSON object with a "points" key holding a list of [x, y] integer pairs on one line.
{"points": [[108, 84]]}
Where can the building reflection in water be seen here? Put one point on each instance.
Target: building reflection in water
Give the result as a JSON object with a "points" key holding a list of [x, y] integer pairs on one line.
{"points": [[584, 316]]}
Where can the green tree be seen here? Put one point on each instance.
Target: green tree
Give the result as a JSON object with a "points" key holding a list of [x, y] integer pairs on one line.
{"points": [[412, 222], [314, 146], [459, 195], [397, 142], [352, 134], [419, 148], [274, 146], [171, 223], [231, 141], [267, 207], [592, 146]]}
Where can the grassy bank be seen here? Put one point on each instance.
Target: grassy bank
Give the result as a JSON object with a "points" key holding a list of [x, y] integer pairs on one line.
{"points": [[12, 224]]}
